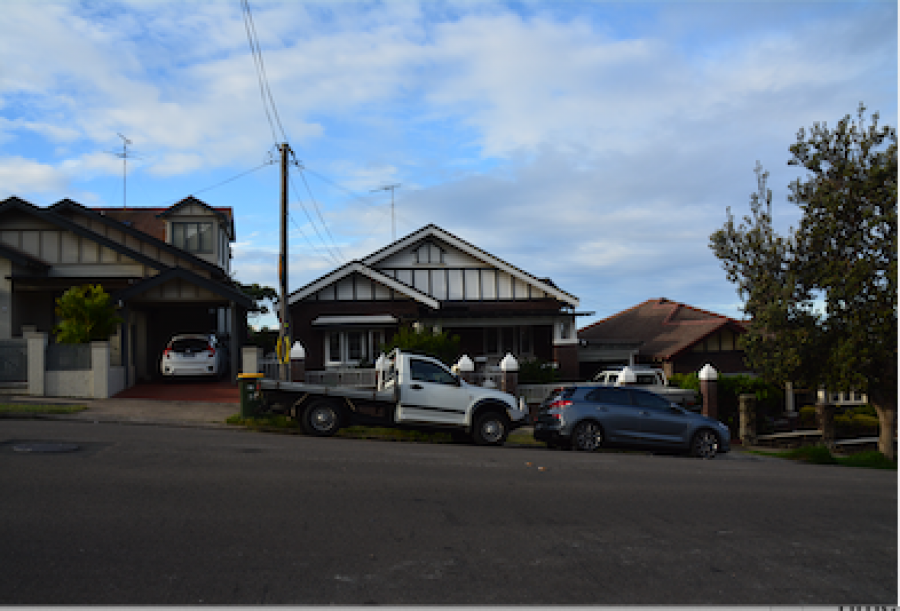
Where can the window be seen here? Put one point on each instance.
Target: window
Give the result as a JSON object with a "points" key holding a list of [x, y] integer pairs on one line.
{"points": [[193, 237], [500, 340], [650, 401], [613, 396], [423, 371], [352, 347]]}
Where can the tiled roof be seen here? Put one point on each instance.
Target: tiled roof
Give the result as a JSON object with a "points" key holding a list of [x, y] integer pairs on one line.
{"points": [[664, 328]]}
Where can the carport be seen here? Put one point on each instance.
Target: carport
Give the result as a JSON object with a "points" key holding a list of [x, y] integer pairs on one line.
{"points": [[177, 301]]}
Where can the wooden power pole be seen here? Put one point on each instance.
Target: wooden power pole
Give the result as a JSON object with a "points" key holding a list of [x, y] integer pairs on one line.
{"points": [[284, 335]]}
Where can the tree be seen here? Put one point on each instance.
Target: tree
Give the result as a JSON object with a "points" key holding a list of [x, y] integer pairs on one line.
{"points": [[260, 294], [86, 315], [439, 345], [823, 299]]}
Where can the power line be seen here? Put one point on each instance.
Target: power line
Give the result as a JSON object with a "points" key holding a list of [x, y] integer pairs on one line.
{"points": [[265, 91], [313, 223], [318, 211]]}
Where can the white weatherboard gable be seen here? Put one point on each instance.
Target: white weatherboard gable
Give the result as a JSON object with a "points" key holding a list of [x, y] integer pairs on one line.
{"points": [[507, 282], [341, 286]]}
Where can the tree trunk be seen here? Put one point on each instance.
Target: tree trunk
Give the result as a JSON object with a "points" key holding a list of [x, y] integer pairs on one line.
{"points": [[885, 404], [887, 420]]}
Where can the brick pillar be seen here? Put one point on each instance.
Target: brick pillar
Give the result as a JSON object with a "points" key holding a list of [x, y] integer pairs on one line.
{"points": [[510, 381], [298, 363], [37, 354], [709, 382], [100, 369], [466, 369]]}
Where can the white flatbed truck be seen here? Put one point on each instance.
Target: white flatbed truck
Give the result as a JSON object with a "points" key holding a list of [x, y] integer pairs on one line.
{"points": [[413, 391]]}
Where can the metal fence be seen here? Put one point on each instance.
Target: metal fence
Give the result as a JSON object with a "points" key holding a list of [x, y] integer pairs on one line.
{"points": [[14, 360], [68, 357]]}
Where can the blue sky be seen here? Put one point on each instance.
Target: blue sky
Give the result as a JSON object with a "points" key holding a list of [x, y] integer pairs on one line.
{"points": [[595, 143]]}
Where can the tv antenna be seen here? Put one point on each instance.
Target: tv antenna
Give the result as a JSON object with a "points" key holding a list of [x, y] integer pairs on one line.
{"points": [[393, 218], [124, 155]]}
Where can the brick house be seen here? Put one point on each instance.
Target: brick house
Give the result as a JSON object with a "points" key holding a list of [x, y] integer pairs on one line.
{"points": [[435, 279], [674, 336], [167, 269]]}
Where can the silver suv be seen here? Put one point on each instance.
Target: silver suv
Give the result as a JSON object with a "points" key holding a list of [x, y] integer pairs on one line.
{"points": [[586, 418]]}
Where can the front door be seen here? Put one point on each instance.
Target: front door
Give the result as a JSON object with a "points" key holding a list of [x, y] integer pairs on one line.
{"points": [[433, 395]]}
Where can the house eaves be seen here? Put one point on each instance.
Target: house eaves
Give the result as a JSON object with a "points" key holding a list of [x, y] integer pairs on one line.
{"points": [[364, 270], [435, 231]]}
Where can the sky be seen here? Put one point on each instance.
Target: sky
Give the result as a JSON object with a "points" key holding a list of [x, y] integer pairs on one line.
{"points": [[595, 143]]}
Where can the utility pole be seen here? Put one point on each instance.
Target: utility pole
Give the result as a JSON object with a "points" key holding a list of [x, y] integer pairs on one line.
{"points": [[284, 336], [393, 219]]}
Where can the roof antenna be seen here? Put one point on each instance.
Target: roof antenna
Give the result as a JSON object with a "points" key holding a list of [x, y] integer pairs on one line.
{"points": [[124, 155], [393, 219]]}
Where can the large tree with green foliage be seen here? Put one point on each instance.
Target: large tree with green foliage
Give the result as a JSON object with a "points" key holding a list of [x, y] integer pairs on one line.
{"points": [[86, 314], [823, 298]]}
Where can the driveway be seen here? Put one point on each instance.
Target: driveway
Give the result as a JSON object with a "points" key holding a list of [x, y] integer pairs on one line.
{"points": [[210, 391]]}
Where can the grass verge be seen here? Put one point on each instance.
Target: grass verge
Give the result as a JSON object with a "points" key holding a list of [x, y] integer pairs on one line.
{"points": [[820, 455], [283, 424], [39, 408]]}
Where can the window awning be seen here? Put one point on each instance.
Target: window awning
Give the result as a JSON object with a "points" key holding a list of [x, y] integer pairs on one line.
{"points": [[372, 320]]}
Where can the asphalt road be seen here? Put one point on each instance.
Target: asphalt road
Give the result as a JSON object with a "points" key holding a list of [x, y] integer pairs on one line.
{"points": [[158, 515]]}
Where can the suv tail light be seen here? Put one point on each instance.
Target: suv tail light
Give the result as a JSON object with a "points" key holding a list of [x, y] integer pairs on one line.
{"points": [[166, 352], [560, 404], [211, 350]]}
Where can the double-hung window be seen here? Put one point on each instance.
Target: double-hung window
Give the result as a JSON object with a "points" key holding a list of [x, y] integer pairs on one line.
{"points": [[193, 237]]}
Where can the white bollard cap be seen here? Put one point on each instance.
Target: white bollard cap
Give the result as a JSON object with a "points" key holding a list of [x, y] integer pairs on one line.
{"points": [[509, 363], [297, 351], [708, 372], [465, 364]]}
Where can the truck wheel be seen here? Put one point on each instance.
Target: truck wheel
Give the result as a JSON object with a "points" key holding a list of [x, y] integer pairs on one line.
{"points": [[491, 429], [322, 418]]}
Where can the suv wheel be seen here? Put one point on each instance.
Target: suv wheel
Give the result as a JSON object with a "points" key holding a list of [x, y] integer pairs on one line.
{"points": [[587, 436], [705, 444], [490, 429]]}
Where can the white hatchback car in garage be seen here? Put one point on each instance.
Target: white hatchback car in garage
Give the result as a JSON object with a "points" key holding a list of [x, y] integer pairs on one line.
{"points": [[193, 355]]}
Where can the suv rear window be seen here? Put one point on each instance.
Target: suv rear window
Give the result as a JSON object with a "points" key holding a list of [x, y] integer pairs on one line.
{"points": [[189, 344]]}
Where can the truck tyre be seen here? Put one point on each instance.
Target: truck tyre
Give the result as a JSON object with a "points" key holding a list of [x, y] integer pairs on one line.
{"points": [[321, 418], [491, 429]]}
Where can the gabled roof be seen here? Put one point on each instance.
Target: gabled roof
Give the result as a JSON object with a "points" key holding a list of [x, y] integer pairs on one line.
{"points": [[224, 214], [219, 288], [355, 267], [432, 230], [111, 220], [663, 328], [51, 216]]}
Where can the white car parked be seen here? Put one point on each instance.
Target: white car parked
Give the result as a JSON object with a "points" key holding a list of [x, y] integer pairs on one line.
{"points": [[193, 355]]}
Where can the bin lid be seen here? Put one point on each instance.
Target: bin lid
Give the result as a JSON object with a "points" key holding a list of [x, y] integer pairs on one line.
{"points": [[250, 376]]}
